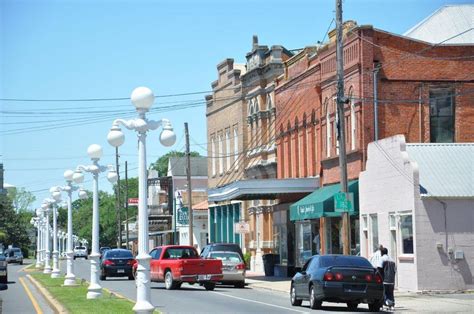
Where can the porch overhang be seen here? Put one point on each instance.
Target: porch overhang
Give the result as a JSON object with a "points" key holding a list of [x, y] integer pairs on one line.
{"points": [[262, 189]]}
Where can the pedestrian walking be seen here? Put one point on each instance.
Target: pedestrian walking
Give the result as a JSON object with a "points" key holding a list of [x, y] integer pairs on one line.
{"points": [[389, 270]]}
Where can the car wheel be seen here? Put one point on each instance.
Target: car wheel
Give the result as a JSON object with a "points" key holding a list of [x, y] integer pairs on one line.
{"points": [[313, 302], [209, 286], [169, 281], [102, 277], [74, 258], [293, 299], [375, 307], [240, 285], [131, 277], [352, 306]]}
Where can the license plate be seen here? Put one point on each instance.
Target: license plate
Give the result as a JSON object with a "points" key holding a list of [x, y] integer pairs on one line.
{"points": [[120, 270], [3, 272], [204, 277]]}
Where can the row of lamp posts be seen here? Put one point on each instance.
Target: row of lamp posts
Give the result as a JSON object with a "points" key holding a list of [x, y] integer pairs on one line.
{"points": [[142, 98]]}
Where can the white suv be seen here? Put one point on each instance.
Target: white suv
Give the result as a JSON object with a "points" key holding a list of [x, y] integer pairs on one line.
{"points": [[80, 251]]}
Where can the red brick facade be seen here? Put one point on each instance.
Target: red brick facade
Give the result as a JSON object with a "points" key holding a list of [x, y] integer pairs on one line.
{"points": [[305, 104]]}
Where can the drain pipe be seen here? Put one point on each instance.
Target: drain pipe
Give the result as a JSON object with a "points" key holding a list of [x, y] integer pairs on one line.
{"points": [[376, 117]]}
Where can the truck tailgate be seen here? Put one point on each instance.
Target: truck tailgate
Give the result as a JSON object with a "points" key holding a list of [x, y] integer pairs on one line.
{"points": [[198, 266]]}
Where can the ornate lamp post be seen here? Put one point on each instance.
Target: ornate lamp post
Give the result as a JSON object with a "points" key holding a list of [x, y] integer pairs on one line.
{"points": [[142, 98], [56, 194], [35, 222], [47, 253], [95, 152]]}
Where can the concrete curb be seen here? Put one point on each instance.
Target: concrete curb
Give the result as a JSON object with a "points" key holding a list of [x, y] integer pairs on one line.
{"points": [[55, 305]]}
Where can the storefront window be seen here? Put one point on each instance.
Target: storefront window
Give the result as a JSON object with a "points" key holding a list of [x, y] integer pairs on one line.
{"points": [[280, 240], [355, 236], [307, 241], [406, 230], [374, 232]]}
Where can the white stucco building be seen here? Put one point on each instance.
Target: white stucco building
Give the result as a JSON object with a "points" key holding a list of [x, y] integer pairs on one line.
{"points": [[418, 201]]}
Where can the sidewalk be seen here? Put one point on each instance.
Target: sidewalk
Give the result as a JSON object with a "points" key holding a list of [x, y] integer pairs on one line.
{"points": [[405, 301]]}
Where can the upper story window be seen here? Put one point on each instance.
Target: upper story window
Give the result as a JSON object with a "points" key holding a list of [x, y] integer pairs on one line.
{"points": [[328, 129], [353, 120], [442, 115], [236, 148], [213, 156], [221, 155], [227, 147]]}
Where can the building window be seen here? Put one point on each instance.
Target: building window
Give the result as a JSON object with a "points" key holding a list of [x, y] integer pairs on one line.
{"points": [[353, 121], [442, 116], [236, 148], [213, 156], [221, 155], [336, 124], [328, 130], [406, 233], [227, 147], [374, 232]]}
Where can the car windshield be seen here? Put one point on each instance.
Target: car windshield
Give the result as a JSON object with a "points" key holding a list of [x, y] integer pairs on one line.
{"points": [[349, 261], [180, 253], [120, 254], [223, 247], [226, 256], [17, 253]]}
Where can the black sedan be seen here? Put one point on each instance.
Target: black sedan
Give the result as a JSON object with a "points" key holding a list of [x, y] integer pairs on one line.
{"points": [[337, 278], [117, 263]]}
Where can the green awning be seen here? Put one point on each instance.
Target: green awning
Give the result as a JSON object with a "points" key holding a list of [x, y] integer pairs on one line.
{"points": [[320, 203]]}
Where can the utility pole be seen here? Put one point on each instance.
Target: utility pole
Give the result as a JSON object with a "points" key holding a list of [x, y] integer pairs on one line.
{"points": [[188, 173], [346, 226], [119, 235], [126, 203]]}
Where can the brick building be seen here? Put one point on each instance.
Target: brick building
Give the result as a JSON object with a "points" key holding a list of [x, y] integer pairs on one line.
{"points": [[423, 91]]}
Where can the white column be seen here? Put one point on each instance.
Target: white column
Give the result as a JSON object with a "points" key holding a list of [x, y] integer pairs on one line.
{"points": [[94, 289], [70, 279], [56, 272], [143, 304], [38, 235], [47, 266]]}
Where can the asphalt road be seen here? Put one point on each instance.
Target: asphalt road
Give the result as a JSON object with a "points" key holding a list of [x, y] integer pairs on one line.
{"points": [[195, 299], [21, 293]]}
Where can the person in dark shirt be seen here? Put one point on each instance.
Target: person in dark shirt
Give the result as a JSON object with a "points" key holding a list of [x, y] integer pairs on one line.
{"points": [[389, 269]]}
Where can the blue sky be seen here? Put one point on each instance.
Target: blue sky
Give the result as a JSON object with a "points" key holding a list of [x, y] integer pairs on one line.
{"points": [[104, 49]]}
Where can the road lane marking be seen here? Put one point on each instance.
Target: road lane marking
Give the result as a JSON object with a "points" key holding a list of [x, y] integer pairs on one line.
{"points": [[30, 295], [267, 304]]}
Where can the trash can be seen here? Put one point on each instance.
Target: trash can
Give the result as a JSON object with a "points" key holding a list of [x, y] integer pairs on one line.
{"points": [[269, 261]]}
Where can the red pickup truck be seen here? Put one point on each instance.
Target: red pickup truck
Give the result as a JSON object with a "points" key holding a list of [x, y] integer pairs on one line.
{"points": [[175, 264]]}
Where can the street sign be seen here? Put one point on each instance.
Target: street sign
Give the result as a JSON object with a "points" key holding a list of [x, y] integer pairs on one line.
{"points": [[183, 216], [242, 227], [343, 202], [133, 201]]}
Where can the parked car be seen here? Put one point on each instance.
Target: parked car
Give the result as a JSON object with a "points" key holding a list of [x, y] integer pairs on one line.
{"points": [[80, 251], [337, 278], [117, 263], [3, 269], [221, 247], [233, 268], [175, 264], [102, 250], [14, 255]]}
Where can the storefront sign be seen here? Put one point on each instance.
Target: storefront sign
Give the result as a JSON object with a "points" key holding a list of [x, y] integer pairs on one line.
{"points": [[306, 210], [183, 216], [133, 201], [242, 227], [344, 202]]}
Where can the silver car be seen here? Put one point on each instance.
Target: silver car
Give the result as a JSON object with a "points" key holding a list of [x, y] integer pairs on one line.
{"points": [[233, 268], [14, 255]]}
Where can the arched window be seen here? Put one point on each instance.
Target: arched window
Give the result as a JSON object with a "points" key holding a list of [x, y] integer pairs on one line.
{"points": [[213, 156], [313, 117], [328, 129], [250, 105], [236, 148], [227, 148], [257, 105], [221, 154], [304, 119], [353, 119]]}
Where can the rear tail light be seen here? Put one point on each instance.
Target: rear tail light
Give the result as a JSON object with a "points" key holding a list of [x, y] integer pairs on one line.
{"points": [[331, 277], [369, 278], [108, 262], [132, 262], [240, 266], [378, 278]]}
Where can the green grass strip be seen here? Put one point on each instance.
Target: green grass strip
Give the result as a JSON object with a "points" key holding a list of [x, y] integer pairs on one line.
{"points": [[74, 298]]}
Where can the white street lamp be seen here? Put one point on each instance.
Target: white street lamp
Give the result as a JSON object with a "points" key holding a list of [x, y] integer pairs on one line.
{"points": [[142, 98], [70, 279], [56, 194], [95, 152], [47, 266], [35, 222]]}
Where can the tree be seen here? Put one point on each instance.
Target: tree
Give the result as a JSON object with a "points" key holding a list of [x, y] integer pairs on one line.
{"points": [[13, 228], [21, 199], [161, 165]]}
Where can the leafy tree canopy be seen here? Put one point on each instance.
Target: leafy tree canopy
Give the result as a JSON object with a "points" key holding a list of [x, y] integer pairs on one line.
{"points": [[21, 199], [161, 165]]}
